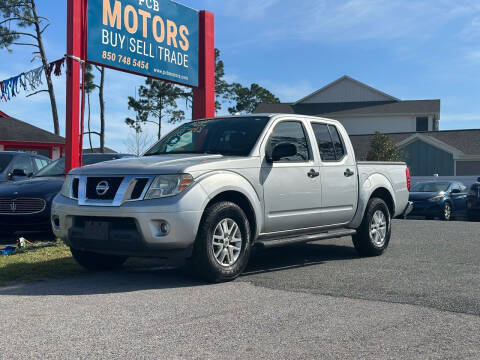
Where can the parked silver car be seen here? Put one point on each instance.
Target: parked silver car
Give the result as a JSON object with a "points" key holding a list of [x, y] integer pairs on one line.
{"points": [[213, 188]]}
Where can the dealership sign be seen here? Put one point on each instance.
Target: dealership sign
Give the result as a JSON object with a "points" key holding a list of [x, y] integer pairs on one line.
{"points": [[156, 38]]}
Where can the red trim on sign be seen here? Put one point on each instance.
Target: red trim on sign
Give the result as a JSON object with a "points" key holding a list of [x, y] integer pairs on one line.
{"points": [[3, 115], [75, 47], [204, 95]]}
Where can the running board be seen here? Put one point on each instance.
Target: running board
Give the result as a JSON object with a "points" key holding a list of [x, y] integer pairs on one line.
{"points": [[272, 243]]}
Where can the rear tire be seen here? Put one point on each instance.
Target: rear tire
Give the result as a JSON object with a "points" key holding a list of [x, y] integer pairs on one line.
{"points": [[223, 245], [373, 235], [97, 262]]}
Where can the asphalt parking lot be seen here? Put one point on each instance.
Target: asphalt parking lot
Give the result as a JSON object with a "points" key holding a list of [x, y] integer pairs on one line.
{"points": [[420, 300]]}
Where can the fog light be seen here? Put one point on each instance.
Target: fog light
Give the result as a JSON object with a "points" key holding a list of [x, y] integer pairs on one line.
{"points": [[164, 228], [56, 221]]}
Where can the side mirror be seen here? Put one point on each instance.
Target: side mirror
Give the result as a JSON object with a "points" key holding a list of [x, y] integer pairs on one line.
{"points": [[19, 172], [478, 180], [280, 151]]}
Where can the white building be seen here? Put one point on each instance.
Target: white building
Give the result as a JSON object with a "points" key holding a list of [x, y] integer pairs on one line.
{"points": [[363, 109]]}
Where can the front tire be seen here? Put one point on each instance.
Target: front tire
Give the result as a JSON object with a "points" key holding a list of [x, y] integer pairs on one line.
{"points": [[97, 262], [447, 212], [223, 245], [373, 235]]}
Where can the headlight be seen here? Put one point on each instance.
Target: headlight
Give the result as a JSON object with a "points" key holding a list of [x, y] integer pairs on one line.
{"points": [[436, 198], [67, 187], [168, 185]]}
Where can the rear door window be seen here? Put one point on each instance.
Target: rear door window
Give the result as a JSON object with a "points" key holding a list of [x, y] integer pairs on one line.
{"points": [[39, 163], [330, 143]]}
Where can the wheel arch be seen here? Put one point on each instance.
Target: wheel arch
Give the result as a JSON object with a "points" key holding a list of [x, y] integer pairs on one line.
{"points": [[376, 185], [239, 191], [385, 195]]}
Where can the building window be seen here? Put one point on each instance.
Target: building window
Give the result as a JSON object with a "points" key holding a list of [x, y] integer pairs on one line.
{"points": [[422, 123]]}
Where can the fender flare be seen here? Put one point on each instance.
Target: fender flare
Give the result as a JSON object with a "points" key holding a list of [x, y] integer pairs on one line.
{"points": [[366, 189], [217, 182]]}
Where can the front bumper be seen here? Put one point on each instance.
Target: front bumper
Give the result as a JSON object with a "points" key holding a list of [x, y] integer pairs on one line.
{"points": [[133, 229], [427, 208], [26, 222]]}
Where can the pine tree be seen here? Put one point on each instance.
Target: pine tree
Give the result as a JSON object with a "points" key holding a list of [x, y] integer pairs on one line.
{"points": [[382, 148], [246, 99], [157, 102]]}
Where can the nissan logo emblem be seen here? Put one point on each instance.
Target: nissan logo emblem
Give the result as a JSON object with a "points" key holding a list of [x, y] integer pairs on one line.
{"points": [[102, 188]]}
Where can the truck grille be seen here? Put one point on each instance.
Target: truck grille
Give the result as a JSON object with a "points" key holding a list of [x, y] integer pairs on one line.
{"points": [[103, 188], [21, 206], [138, 189]]}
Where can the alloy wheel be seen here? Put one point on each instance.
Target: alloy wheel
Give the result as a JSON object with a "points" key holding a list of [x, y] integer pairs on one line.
{"points": [[378, 228], [227, 242]]}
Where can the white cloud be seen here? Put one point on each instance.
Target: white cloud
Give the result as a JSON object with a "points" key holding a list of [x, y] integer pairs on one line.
{"points": [[352, 20], [473, 56]]}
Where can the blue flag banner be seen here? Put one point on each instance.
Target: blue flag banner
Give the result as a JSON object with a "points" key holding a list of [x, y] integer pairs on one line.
{"points": [[156, 38]]}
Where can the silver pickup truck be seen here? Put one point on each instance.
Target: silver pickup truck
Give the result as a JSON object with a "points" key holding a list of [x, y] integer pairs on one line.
{"points": [[212, 189]]}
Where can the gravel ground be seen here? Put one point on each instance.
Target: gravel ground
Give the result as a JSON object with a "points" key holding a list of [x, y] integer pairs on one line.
{"points": [[420, 300]]}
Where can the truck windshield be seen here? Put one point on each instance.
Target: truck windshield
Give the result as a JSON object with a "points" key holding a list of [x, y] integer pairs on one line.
{"points": [[430, 187], [226, 136], [5, 160]]}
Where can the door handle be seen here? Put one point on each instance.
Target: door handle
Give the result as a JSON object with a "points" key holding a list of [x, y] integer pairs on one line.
{"points": [[313, 174], [348, 173]]}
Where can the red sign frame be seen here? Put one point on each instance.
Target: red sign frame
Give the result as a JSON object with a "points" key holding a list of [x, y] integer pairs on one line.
{"points": [[203, 95]]}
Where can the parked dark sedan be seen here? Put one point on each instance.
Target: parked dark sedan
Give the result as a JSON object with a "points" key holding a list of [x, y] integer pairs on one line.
{"points": [[473, 202], [25, 205], [439, 199], [16, 166]]}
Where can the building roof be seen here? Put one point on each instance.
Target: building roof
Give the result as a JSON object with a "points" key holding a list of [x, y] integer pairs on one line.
{"points": [[465, 141], [12, 129], [345, 79], [349, 97], [354, 108]]}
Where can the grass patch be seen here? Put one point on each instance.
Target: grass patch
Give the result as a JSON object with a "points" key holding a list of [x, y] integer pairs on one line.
{"points": [[36, 263]]}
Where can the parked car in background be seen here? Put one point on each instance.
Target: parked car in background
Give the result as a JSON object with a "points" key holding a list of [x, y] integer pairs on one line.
{"points": [[473, 201], [25, 205], [18, 166], [439, 199]]}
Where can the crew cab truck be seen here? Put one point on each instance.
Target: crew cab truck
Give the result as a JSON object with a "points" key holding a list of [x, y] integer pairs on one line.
{"points": [[212, 189]]}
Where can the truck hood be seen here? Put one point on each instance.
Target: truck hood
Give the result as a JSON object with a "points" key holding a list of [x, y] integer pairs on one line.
{"points": [[152, 165]]}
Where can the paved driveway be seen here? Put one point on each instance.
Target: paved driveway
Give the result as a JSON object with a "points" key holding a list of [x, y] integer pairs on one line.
{"points": [[420, 300]]}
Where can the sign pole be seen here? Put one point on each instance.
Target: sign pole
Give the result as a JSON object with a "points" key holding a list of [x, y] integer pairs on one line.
{"points": [[76, 10], [204, 94]]}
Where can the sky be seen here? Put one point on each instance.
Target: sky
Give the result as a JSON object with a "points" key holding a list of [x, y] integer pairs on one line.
{"points": [[410, 49]]}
